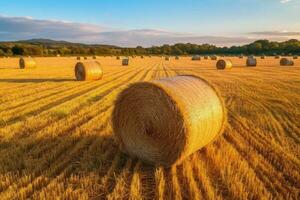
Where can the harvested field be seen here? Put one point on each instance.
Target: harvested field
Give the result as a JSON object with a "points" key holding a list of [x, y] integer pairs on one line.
{"points": [[56, 138]]}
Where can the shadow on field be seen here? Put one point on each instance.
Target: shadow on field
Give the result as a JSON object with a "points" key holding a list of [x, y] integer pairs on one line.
{"points": [[34, 80], [96, 158]]}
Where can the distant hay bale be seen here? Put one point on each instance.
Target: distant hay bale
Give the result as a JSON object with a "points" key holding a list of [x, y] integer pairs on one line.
{"points": [[196, 57], [85, 71], [177, 58], [205, 57], [251, 62], [165, 121], [118, 58], [224, 64], [167, 58], [78, 58], [295, 57], [28, 62], [214, 57], [125, 62], [85, 58], [286, 62], [262, 57], [241, 57], [94, 57], [277, 57], [142, 57]]}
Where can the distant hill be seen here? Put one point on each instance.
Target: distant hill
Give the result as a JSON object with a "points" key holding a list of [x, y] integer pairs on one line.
{"points": [[42, 41]]}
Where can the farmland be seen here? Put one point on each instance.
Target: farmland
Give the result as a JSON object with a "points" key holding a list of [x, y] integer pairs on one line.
{"points": [[56, 139]]}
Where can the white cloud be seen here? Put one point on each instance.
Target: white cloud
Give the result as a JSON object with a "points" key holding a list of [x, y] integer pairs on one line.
{"points": [[285, 1], [22, 28]]}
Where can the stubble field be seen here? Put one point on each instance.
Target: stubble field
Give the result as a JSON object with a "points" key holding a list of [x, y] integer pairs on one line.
{"points": [[56, 140]]}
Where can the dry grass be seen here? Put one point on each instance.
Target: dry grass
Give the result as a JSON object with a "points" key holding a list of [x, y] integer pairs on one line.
{"points": [[56, 136]]}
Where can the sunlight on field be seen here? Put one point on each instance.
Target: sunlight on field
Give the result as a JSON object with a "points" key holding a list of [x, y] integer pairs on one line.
{"points": [[56, 136]]}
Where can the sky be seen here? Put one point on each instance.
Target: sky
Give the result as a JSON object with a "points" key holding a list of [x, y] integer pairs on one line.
{"points": [[139, 22]]}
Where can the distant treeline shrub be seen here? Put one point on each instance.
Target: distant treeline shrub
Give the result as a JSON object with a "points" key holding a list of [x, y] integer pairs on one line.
{"points": [[260, 47]]}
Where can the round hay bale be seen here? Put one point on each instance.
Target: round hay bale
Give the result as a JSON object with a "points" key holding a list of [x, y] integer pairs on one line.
{"points": [[167, 58], [177, 58], [78, 58], [224, 64], [85, 58], [28, 62], [196, 57], [295, 57], [241, 57], [205, 57], [165, 121], [277, 57], [125, 62], [251, 62], [118, 58], [214, 57], [88, 71], [262, 57], [286, 62], [94, 57]]}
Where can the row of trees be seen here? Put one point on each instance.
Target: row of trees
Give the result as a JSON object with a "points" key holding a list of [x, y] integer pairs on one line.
{"points": [[42, 49]]}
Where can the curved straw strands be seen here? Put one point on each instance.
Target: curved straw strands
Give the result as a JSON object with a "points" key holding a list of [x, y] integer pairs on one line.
{"points": [[164, 121], [88, 71], [224, 64]]}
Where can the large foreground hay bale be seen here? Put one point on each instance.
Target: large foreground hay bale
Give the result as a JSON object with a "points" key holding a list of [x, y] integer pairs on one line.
{"points": [[88, 71], [251, 62], [224, 64], [125, 62], [286, 62], [28, 62], [164, 121]]}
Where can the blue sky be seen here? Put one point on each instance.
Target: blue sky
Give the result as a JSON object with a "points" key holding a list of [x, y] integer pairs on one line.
{"points": [[131, 23]]}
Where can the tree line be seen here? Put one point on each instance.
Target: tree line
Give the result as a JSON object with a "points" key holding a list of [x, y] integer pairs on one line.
{"points": [[54, 48]]}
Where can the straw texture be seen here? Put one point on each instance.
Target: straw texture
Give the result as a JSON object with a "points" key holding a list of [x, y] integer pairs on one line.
{"points": [[88, 71], [286, 62], [27, 63], [224, 64], [166, 120]]}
